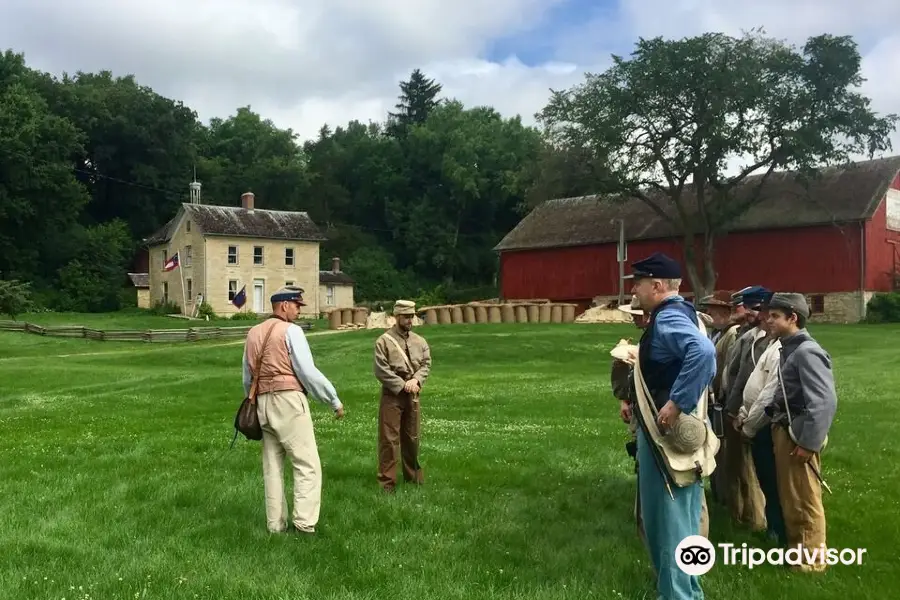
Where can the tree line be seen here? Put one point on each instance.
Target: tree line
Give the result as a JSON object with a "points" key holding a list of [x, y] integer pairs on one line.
{"points": [[92, 163]]}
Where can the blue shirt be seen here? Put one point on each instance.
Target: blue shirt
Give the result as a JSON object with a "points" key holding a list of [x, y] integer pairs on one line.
{"points": [[676, 337]]}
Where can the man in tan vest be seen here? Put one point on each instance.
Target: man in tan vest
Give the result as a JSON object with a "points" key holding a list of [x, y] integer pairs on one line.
{"points": [[286, 374], [402, 365]]}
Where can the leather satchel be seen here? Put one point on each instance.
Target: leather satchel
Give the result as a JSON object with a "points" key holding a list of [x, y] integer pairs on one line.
{"points": [[246, 421]]}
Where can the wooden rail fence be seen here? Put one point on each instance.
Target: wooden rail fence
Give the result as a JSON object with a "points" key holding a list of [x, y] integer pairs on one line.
{"points": [[191, 334]]}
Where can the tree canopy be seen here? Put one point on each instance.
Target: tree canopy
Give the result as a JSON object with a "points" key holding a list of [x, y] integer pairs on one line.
{"points": [[94, 162], [681, 125]]}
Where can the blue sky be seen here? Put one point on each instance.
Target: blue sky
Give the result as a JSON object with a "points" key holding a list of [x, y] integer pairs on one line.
{"points": [[545, 41]]}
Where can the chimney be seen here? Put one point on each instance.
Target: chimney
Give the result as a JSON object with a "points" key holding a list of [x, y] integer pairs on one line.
{"points": [[335, 265], [247, 200]]}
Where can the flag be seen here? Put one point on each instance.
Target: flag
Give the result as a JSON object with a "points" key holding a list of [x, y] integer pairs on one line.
{"points": [[240, 298], [172, 263]]}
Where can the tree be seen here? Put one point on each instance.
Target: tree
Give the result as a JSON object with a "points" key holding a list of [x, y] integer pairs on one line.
{"points": [[139, 152], [475, 168], [417, 99], [15, 298], [665, 125], [92, 281], [40, 199], [248, 153]]}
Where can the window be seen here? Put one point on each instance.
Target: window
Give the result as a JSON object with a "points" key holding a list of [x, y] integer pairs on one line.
{"points": [[288, 283], [257, 255], [817, 304], [232, 255], [188, 226], [188, 256], [188, 289], [165, 298], [162, 259], [232, 289], [289, 257], [329, 295]]}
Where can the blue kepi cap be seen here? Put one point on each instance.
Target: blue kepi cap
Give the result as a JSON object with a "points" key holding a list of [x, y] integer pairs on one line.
{"points": [[656, 266]]}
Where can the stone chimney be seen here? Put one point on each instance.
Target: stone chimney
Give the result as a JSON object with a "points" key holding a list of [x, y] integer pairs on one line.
{"points": [[335, 265], [247, 200]]}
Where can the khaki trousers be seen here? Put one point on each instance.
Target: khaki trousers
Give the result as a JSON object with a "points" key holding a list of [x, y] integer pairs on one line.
{"points": [[745, 498], [288, 431], [399, 422], [801, 498]]}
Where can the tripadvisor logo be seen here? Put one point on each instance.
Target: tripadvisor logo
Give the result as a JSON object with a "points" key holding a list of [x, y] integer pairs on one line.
{"points": [[696, 555]]}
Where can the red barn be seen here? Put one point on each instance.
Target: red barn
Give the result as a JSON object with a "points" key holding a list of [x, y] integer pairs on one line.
{"points": [[838, 242]]}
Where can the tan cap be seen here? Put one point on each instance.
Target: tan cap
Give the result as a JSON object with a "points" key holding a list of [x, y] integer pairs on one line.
{"points": [[404, 307]]}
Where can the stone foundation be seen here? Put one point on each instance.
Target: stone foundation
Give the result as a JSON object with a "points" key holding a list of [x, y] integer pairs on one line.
{"points": [[839, 307]]}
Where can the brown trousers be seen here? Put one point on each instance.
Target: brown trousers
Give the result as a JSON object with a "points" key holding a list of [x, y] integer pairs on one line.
{"points": [[801, 497], [745, 499], [398, 433]]}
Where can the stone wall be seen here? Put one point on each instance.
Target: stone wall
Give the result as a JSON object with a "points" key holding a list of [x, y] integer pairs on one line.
{"points": [[839, 307]]}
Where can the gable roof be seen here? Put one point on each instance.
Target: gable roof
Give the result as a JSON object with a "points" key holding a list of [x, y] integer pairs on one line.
{"points": [[237, 221], [841, 194], [335, 278]]}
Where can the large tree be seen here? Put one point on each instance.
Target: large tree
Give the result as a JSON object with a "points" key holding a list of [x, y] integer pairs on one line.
{"points": [[682, 124], [418, 97], [40, 199], [474, 167]]}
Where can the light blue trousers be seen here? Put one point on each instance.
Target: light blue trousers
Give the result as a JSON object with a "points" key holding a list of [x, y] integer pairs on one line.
{"points": [[666, 523]]}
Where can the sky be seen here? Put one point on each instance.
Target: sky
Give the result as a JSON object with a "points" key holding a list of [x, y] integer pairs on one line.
{"points": [[305, 63]]}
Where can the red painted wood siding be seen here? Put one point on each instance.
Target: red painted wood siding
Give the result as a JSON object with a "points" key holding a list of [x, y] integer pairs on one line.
{"points": [[879, 253], [807, 260]]}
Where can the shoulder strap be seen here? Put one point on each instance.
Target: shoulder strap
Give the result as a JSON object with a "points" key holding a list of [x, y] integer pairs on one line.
{"points": [[259, 359], [400, 350]]}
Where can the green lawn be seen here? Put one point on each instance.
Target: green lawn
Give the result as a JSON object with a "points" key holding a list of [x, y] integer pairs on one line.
{"points": [[135, 319], [118, 480]]}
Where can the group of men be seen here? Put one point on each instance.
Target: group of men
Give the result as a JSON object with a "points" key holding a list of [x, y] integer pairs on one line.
{"points": [[746, 356], [280, 373], [744, 365]]}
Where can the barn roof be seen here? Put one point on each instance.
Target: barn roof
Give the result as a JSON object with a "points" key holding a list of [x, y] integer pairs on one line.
{"points": [[842, 194], [335, 278], [240, 222]]}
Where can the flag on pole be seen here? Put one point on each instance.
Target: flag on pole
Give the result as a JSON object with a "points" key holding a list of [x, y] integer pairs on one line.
{"points": [[172, 263], [240, 298]]}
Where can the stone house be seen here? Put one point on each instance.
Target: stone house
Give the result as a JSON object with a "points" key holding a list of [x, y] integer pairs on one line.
{"points": [[223, 251]]}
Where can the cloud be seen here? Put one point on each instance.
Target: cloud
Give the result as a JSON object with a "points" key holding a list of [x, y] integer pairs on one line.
{"points": [[304, 63]]}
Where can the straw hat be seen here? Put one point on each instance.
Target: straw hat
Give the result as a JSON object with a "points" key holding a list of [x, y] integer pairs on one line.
{"points": [[632, 309], [687, 434]]}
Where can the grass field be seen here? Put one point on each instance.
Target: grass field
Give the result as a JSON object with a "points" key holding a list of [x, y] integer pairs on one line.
{"points": [[118, 481], [135, 318]]}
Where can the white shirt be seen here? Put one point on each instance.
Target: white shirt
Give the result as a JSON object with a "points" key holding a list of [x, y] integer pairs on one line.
{"points": [[759, 390]]}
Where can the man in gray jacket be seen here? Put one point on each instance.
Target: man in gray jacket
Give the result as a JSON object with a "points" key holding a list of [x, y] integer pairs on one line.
{"points": [[802, 410]]}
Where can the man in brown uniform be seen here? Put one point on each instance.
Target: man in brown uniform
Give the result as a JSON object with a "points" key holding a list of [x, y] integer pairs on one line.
{"points": [[285, 375], [402, 365], [723, 334]]}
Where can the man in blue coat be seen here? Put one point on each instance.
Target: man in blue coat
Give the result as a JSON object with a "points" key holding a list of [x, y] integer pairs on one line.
{"points": [[678, 362]]}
